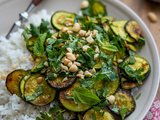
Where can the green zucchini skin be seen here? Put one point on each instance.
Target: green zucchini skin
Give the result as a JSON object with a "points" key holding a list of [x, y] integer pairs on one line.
{"points": [[69, 103], [59, 84], [133, 29], [61, 15], [117, 28], [106, 116], [123, 99], [13, 79], [127, 84], [31, 85], [99, 8]]}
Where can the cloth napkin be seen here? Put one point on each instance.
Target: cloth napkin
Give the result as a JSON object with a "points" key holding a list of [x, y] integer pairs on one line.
{"points": [[154, 112]]}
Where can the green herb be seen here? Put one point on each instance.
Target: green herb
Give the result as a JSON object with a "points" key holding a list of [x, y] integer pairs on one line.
{"points": [[88, 25], [139, 95], [50, 76], [38, 92], [123, 112], [115, 109], [44, 26], [141, 42], [39, 67], [85, 96], [104, 103], [132, 60], [87, 83], [108, 47], [69, 97], [98, 110], [93, 116], [38, 48], [103, 56], [34, 30]]}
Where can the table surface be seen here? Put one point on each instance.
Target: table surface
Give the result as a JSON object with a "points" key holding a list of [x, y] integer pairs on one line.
{"points": [[142, 7]]}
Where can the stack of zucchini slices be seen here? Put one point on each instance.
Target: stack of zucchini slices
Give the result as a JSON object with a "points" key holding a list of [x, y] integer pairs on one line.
{"points": [[40, 85]]}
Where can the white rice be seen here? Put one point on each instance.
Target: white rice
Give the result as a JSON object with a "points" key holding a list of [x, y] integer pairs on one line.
{"points": [[12, 52]]}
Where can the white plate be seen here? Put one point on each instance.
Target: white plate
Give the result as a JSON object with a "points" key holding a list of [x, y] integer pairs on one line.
{"points": [[116, 9]]}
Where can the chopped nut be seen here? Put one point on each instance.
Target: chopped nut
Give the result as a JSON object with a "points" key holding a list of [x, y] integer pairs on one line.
{"points": [[31, 58], [66, 61], [14, 66], [90, 40], [94, 33], [82, 33], [111, 99], [97, 49], [73, 68], [52, 37], [65, 79], [39, 80], [77, 55], [46, 64], [61, 45], [85, 47], [83, 38], [67, 23], [80, 76], [80, 72], [69, 20], [88, 33], [69, 50], [93, 70], [76, 27], [80, 44], [69, 64], [55, 75], [62, 60], [96, 56], [77, 63], [87, 73], [3, 76], [59, 21], [64, 29], [64, 67], [70, 32], [25, 57], [119, 60], [71, 57], [152, 17], [84, 4]]}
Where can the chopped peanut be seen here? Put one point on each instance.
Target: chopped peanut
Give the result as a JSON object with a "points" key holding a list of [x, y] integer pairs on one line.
{"points": [[66, 61], [73, 68], [76, 27], [69, 64], [90, 40], [82, 33], [87, 73], [111, 99], [65, 29], [85, 47], [71, 57], [84, 4], [39, 80], [31, 58], [25, 57], [77, 63], [69, 50], [96, 56], [80, 76], [64, 67]]}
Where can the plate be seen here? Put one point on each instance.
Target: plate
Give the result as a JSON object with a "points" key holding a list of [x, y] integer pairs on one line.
{"points": [[116, 9]]}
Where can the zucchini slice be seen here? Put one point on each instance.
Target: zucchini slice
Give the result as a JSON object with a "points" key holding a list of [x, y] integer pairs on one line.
{"points": [[13, 79], [107, 18], [133, 29], [98, 8], [32, 84], [61, 19], [60, 83], [118, 29], [22, 83], [123, 99], [140, 63], [30, 43], [126, 84], [103, 115], [69, 103]]}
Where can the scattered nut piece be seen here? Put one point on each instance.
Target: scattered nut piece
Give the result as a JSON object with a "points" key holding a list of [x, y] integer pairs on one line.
{"points": [[88, 33], [64, 29], [85, 47], [3, 76], [119, 60], [97, 49], [80, 44], [52, 37], [71, 57], [14, 66], [67, 23], [90, 40], [46, 64], [73, 68], [111, 99], [59, 21], [62, 60], [69, 64], [69, 50], [87, 73], [80, 76], [77, 63], [83, 38], [69, 20], [31, 58], [76, 27], [84, 4], [64, 67], [96, 56], [70, 32], [55, 75], [64, 79], [82, 33], [152, 17], [25, 57], [66, 61], [77, 55], [93, 71], [80, 72], [61, 45], [39, 80], [94, 33]]}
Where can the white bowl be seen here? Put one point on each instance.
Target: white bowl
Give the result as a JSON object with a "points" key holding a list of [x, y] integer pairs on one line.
{"points": [[120, 11]]}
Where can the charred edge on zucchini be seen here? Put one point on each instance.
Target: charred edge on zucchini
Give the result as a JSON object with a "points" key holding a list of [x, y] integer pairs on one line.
{"points": [[133, 29], [13, 79], [123, 99], [126, 84]]}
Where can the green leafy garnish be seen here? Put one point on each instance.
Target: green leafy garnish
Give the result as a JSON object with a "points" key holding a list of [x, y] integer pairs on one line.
{"points": [[123, 112], [50, 76], [39, 67], [132, 60], [115, 109], [38, 92], [85, 96], [139, 95], [141, 42], [69, 97]]}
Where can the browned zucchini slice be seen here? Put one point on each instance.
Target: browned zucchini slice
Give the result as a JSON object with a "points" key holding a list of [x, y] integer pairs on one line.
{"points": [[105, 116], [13, 79], [123, 99], [69, 103], [133, 29], [61, 83], [126, 84], [117, 28], [31, 86]]}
